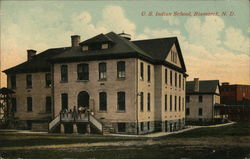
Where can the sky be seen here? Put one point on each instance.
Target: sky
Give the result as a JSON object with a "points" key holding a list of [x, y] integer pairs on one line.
{"points": [[214, 47]]}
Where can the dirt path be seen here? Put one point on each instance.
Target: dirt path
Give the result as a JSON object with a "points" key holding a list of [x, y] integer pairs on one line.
{"points": [[128, 144]]}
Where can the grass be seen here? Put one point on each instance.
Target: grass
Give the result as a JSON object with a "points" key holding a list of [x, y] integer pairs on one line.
{"points": [[221, 142]]}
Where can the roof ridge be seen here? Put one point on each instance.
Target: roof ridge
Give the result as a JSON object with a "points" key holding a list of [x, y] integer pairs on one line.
{"points": [[174, 37], [130, 44]]}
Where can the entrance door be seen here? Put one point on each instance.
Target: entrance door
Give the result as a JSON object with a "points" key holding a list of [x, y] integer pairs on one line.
{"points": [[83, 99]]}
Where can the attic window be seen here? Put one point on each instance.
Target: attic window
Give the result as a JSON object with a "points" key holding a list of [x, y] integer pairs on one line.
{"points": [[85, 48], [105, 46]]}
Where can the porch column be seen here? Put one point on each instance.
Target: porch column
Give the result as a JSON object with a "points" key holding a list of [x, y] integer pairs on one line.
{"points": [[88, 128], [75, 128], [62, 128]]}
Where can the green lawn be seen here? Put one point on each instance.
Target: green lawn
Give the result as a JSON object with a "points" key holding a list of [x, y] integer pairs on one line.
{"points": [[222, 142]]}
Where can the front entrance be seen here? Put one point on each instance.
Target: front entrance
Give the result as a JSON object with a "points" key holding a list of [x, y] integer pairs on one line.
{"points": [[83, 99]]}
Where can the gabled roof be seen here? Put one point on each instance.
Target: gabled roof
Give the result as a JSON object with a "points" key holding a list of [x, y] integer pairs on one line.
{"points": [[38, 63], [97, 39], [205, 87], [121, 48], [153, 50], [159, 49]]}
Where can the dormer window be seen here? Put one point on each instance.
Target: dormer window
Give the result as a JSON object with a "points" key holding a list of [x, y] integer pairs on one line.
{"points": [[85, 48], [105, 46]]}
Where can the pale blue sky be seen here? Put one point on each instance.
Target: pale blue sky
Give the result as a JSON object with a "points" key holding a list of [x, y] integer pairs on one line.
{"points": [[222, 42]]}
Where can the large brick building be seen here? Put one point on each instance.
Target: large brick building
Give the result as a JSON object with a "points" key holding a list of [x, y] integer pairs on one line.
{"points": [[235, 94], [125, 86]]}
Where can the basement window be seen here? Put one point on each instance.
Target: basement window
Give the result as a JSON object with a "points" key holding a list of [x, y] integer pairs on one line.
{"points": [[121, 127]]}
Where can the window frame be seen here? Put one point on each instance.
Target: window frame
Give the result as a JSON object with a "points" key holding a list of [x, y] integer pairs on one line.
{"points": [[13, 81], [141, 71], [200, 112], [29, 103], [64, 73], [149, 73], [166, 76], [29, 81], [102, 67], [83, 72], [200, 98], [187, 111], [166, 102], [14, 104], [121, 69], [171, 103], [121, 101], [187, 99], [48, 80], [142, 102], [148, 102], [102, 101], [48, 104], [64, 101]]}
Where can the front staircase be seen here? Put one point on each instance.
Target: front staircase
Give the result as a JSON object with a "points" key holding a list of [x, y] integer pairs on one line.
{"points": [[75, 117]]}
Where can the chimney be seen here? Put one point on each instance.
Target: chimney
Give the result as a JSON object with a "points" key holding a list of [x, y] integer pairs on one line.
{"points": [[30, 54], [225, 83], [126, 36], [75, 40], [196, 84]]}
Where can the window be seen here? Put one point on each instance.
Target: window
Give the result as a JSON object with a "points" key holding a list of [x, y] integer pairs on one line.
{"points": [[183, 104], [166, 76], [47, 80], [121, 127], [183, 83], [64, 101], [142, 126], [121, 101], [13, 102], [141, 102], [29, 104], [179, 80], [149, 73], [105, 46], [48, 104], [179, 103], [83, 72], [171, 103], [142, 71], [103, 101], [121, 69], [187, 99], [171, 78], [85, 47], [13, 82], [64, 73], [28, 81], [175, 79], [200, 99], [175, 103], [200, 111], [148, 125], [102, 71], [148, 104], [187, 111], [166, 102]]}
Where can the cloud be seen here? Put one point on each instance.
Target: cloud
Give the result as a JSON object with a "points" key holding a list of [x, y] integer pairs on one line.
{"points": [[222, 64], [113, 18], [171, 20], [236, 41], [207, 33]]}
